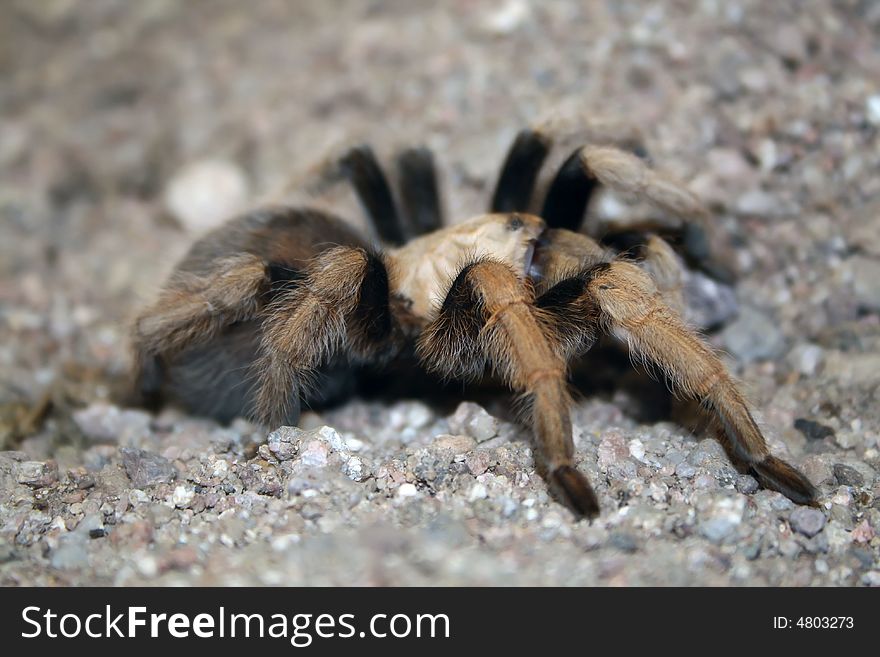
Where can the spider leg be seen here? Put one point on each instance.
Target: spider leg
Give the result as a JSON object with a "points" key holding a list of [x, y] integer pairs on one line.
{"points": [[548, 144], [368, 179], [689, 237], [627, 173], [563, 253], [419, 195], [192, 309], [516, 182], [487, 317], [341, 301], [569, 194], [626, 302], [666, 270]]}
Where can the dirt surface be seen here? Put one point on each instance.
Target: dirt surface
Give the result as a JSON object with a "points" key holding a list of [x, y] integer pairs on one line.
{"points": [[129, 127]]}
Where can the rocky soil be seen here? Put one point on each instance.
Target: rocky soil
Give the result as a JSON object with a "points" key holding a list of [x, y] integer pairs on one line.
{"points": [[128, 128]]}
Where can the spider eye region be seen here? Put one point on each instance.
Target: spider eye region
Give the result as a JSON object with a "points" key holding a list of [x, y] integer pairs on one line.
{"points": [[515, 223]]}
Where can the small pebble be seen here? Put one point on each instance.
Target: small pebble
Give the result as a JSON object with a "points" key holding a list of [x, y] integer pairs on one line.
{"points": [[813, 430], [872, 109], [753, 336], [146, 468], [807, 521], [866, 281], [472, 420], [182, 496], [863, 532], [746, 484], [38, 474], [847, 475]]}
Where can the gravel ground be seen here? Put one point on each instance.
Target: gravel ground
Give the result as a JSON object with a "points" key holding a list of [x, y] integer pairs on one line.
{"points": [[129, 127]]}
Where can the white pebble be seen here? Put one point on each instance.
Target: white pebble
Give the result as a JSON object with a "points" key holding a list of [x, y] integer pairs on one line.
{"points": [[148, 566], [419, 415], [507, 18], [842, 496], [768, 154], [332, 437], [354, 469], [478, 492], [283, 542], [136, 496], [407, 490], [353, 444], [314, 454], [182, 496], [806, 358], [637, 449], [872, 109], [220, 468], [204, 194]]}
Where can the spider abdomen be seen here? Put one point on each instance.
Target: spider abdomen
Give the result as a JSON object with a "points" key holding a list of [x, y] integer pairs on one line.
{"points": [[207, 366]]}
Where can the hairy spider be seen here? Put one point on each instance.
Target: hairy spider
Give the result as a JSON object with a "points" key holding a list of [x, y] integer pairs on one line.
{"points": [[276, 307]]}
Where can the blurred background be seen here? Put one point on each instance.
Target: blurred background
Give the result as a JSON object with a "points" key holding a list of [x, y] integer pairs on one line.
{"points": [[128, 128]]}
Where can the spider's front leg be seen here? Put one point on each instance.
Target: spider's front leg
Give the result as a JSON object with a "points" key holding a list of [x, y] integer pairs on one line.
{"points": [[563, 193], [487, 317], [627, 303], [342, 302]]}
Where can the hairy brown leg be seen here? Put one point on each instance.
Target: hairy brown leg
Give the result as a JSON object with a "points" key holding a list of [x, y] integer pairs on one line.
{"points": [[541, 174], [563, 253], [630, 306], [342, 299], [487, 317], [192, 309], [625, 172], [689, 239], [666, 270], [588, 167], [688, 218]]}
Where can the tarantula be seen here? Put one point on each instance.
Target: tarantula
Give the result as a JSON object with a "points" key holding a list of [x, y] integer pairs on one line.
{"points": [[274, 308]]}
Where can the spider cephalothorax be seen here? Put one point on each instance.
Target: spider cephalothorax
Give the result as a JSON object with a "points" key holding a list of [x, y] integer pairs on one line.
{"points": [[272, 309]]}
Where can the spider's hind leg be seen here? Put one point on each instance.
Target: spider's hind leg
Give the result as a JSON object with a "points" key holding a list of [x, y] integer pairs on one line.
{"points": [[419, 193], [539, 175], [370, 183], [417, 185]]}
